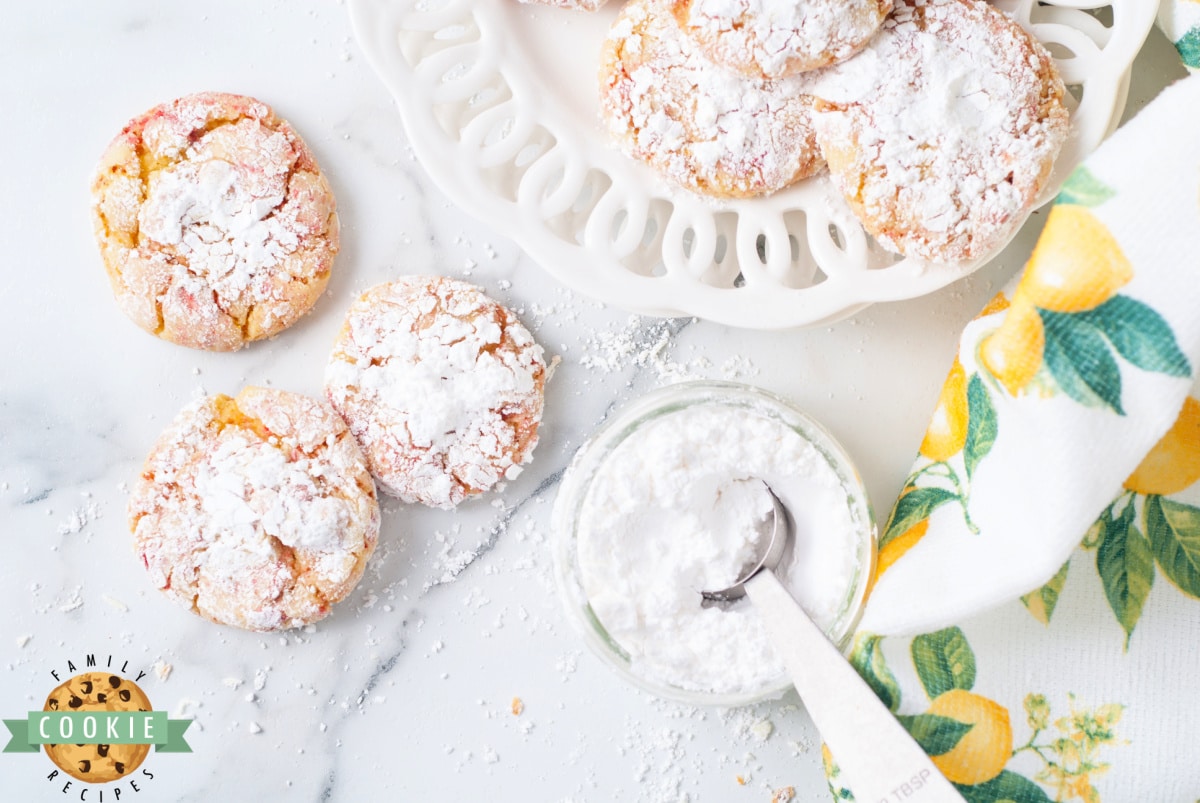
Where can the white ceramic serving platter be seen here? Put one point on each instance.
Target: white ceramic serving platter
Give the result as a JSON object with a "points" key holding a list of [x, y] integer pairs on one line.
{"points": [[499, 102]]}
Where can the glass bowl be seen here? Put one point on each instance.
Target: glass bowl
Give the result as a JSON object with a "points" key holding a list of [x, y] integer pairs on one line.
{"points": [[627, 422]]}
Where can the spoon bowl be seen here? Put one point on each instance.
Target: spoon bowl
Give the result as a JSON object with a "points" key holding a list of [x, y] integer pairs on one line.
{"points": [[777, 527]]}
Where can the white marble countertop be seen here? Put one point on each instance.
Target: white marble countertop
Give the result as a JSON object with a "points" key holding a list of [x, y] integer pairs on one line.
{"points": [[405, 691]]}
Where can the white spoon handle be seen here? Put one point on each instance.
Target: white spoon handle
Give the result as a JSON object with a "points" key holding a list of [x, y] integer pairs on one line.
{"points": [[880, 761]]}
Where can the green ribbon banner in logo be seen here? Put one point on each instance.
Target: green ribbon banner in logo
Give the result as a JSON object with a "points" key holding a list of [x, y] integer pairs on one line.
{"points": [[97, 727]]}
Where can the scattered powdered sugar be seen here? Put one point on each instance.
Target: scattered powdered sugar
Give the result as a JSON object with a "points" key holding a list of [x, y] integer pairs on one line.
{"points": [[72, 602], [441, 385], [79, 518], [669, 514], [775, 38], [705, 127], [216, 222], [943, 131], [254, 494]]}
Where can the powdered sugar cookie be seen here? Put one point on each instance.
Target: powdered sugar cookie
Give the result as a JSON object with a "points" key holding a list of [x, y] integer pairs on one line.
{"points": [[256, 511], [702, 126], [942, 133], [441, 385], [777, 38], [214, 221]]}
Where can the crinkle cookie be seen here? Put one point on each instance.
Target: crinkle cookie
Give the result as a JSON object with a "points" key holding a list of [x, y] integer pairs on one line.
{"points": [[942, 133], [256, 511], [97, 691], [216, 226], [441, 385], [777, 38], [701, 125]]}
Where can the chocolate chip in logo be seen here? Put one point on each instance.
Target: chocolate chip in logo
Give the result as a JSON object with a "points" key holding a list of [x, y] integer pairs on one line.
{"points": [[87, 687], [52, 704], [102, 750], [102, 697], [85, 766], [114, 681], [124, 695], [75, 702], [120, 766]]}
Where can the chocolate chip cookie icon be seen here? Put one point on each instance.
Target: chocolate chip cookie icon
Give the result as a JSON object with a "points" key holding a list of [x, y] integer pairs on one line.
{"points": [[97, 691]]}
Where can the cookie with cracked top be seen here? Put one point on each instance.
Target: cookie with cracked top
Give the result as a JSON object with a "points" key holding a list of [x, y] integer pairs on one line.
{"points": [[441, 385], [698, 124], [256, 511], [214, 221], [777, 38]]}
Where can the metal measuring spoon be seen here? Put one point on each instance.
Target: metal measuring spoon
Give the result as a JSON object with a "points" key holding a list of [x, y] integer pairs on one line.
{"points": [[879, 760]]}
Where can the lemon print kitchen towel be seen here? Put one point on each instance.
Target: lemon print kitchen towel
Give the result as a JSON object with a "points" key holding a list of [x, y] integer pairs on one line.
{"points": [[1083, 689], [1060, 388]]}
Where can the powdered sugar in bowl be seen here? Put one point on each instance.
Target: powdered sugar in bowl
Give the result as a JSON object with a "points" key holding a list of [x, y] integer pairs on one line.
{"points": [[655, 508]]}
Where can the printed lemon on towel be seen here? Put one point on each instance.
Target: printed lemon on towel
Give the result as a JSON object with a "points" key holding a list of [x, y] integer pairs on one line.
{"points": [[982, 752], [1013, 353], [1174, 462], [947, 430], [1077, 264]]}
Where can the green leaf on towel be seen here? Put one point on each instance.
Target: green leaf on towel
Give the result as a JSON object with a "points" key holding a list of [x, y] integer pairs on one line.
{"points": [[1174, 531], [1007, 786], [1189, 48], [1126, 566], [944, 661], [911, 508], [1140, 335], [1083, 189], [1042, 601], [867, 658], [981, 424], [937, 735], [1079, 359]]}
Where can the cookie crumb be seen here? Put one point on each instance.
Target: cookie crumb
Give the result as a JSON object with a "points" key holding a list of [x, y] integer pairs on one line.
{"points": [[185, 705], [763, 729], [260, 679], [162, 669], [784, 795], [518, 705], [75, 602]]}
